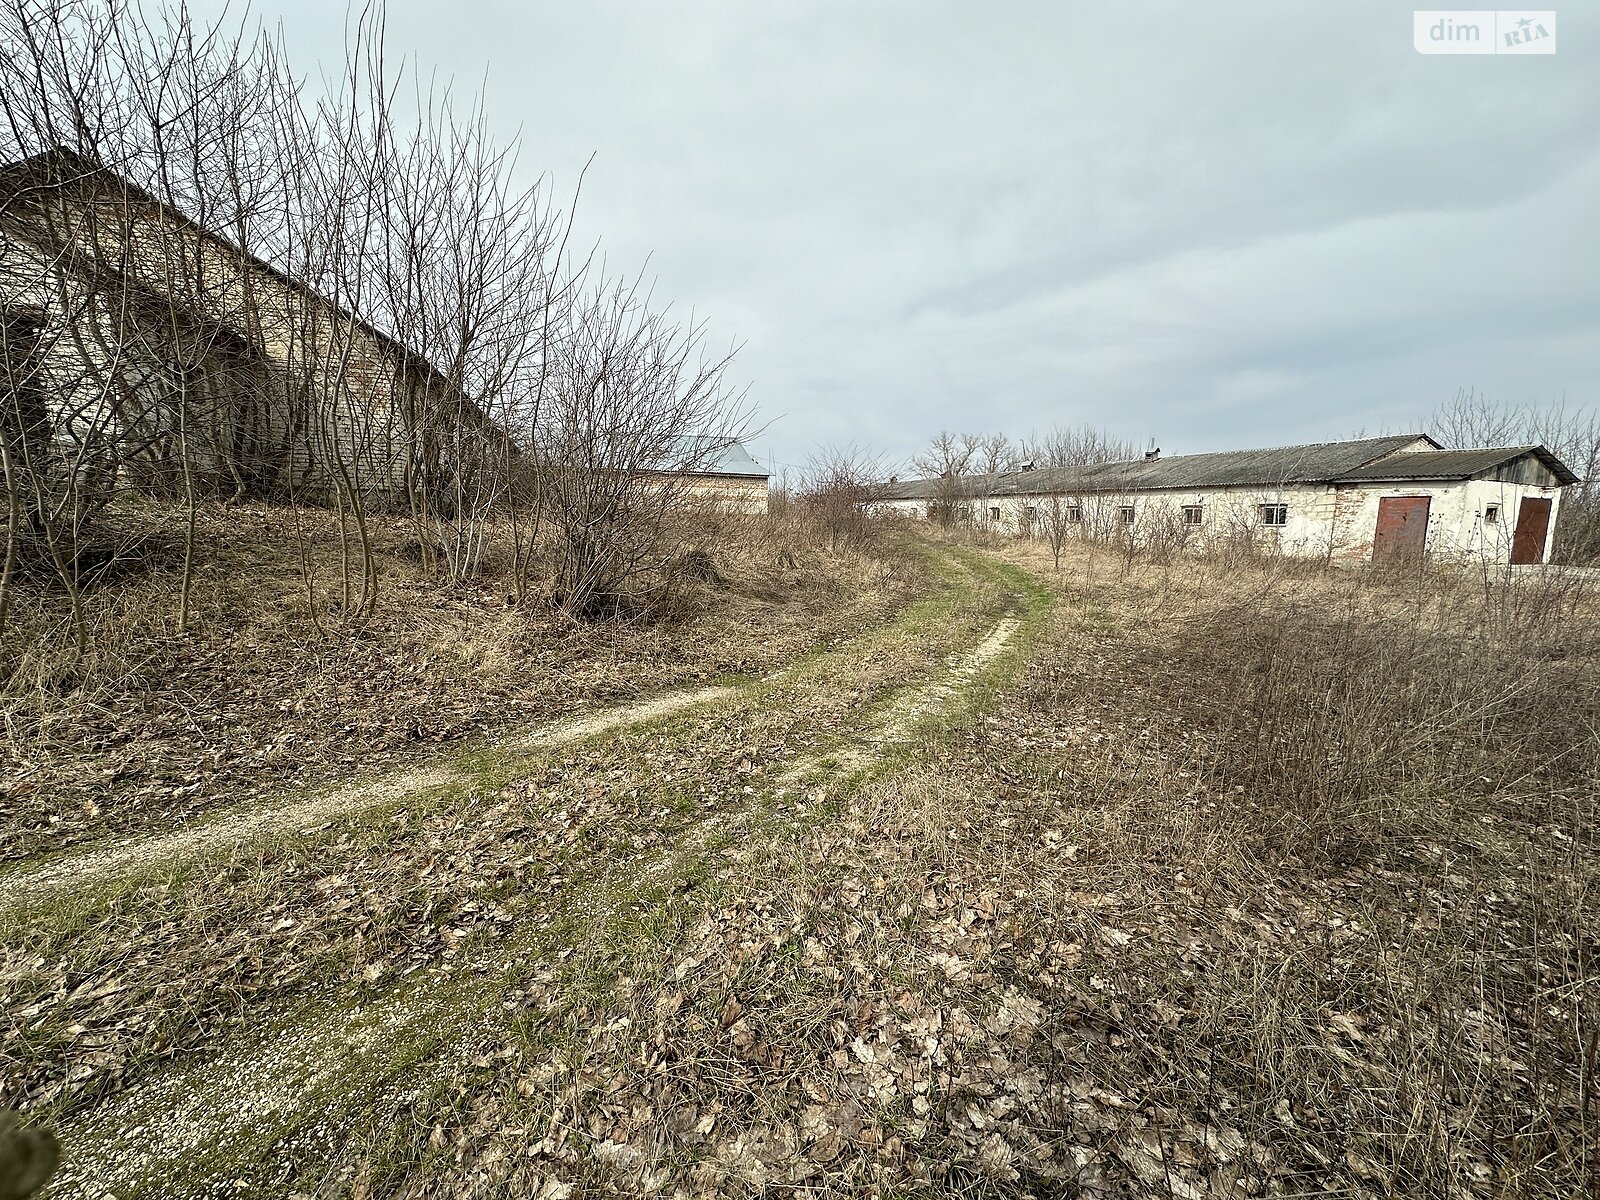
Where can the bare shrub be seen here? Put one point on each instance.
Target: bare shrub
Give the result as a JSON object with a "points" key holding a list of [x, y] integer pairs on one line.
{"points": [[1058, 519], [633, 407], [836, 493], [1342, 720], [1235, 538], [1163, 534]]}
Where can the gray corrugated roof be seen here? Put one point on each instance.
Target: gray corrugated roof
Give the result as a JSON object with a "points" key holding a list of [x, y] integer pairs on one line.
{"points": [[719, 456], [1319, 462], [1456, 464]]}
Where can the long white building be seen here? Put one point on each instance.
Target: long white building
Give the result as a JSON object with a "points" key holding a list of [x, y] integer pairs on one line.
{"points": [[1375, 498]]}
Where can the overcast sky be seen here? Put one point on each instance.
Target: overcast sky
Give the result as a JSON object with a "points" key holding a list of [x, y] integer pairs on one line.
{"points": [[1217, 225]]}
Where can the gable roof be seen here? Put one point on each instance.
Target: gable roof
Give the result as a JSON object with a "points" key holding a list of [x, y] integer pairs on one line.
{"points": [[61, 166], [1457, 464], [1317, 462], [711, 455]]}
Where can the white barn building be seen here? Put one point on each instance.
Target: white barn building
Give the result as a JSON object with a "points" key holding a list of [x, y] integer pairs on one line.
{"points": [[1370, 499]]}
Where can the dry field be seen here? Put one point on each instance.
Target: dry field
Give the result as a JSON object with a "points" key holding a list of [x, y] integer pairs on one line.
{"points": [[1166, 880]]}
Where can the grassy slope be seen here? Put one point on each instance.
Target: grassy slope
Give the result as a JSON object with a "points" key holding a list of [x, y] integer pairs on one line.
{"points": [[153, 729]]}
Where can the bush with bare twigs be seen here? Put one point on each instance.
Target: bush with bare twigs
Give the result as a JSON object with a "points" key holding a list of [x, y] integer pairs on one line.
{"points": [[836, 492]]}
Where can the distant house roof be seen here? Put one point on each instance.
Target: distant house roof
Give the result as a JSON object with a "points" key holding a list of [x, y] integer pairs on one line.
{"points": [[702, 454], [1318, 462], [1457, 464]]}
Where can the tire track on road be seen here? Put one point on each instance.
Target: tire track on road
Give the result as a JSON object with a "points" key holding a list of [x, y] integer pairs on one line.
{"points": [[253, 1091], [98, 863]]}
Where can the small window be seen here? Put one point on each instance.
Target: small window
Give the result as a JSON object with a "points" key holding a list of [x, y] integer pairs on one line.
{"points": [[1491, 514], [994, 512], [1275, 515], [1032, 512], [1074, 515], [1193, 514], [1125, 514], [21, 331]]}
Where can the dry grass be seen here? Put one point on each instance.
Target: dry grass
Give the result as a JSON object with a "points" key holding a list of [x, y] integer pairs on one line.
{"points": [[1260, 882], [1362, 908], [266, 692], [101, 988], [1245, 881]]}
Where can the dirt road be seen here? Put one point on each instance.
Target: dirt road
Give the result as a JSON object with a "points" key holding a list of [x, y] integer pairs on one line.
{"points": [[263, 995]]}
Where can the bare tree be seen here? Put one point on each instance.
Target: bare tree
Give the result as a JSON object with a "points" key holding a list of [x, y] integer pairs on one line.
{"points": [[1469, 421], [468, 282], [122, 137], [949, 459], [994, 457], [837, 490], [1077, 446], [216, 284], [1079, 505], [995, 454]]}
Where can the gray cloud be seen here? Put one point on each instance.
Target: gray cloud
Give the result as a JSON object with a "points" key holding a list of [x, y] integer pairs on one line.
{"points": [[1218, 225]]}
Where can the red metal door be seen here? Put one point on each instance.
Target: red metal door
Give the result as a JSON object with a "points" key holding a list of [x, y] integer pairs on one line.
{"points": [[1402, 533], [1533, 526]]}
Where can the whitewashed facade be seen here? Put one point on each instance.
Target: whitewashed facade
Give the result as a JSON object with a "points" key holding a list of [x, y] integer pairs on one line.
{"points": [[1324, 500]]}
